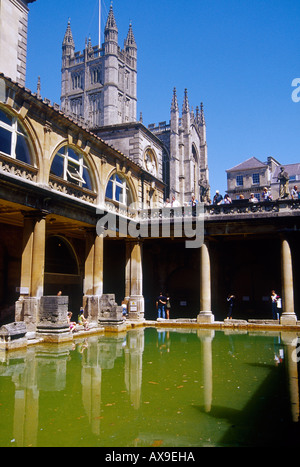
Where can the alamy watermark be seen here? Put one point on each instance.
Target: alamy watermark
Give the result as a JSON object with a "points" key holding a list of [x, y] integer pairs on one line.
{"points": [[296, 351], [183, 222], [296, 91]]}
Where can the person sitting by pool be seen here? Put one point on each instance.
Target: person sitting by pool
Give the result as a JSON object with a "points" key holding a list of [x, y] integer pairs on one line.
{"points": [[82, 320], [72, 324], [124, 309]]}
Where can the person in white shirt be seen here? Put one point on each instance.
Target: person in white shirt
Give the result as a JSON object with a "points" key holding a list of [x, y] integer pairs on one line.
{"points": [[295, 193], [266, 195], [252, 199], [175, 203]]}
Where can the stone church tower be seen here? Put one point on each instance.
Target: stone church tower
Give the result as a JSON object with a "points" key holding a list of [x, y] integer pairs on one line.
{"points": [[99, 90], [99, 85], [185, 152]]}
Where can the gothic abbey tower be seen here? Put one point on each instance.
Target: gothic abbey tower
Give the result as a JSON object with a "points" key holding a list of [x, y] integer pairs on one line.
{"points": [[99, 90], [100, 84]]}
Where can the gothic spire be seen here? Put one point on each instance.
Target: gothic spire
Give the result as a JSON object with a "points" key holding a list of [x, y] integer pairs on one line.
{"points": [[68, 39], [197, 115], [130, 40], [202, 117], [111, 34], [38, 92], [185, 107], [130, 44], [111, 22], [68, 46], [174, 105]]}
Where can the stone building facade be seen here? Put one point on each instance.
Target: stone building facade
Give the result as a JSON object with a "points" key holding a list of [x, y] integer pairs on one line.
{"points": [[13, 38], [59, 178], [252, 175], [57, 181], [99, 90]]}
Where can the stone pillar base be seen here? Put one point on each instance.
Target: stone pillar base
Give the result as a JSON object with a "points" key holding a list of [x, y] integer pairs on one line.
{"points": [[288, 319], [136, 308], [205, 317], [91, 305], [109, 311], [27, 310], [53, 323]]}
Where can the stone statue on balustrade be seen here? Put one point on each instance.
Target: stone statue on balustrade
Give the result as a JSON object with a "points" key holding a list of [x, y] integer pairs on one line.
{"points": [[283, 179]]}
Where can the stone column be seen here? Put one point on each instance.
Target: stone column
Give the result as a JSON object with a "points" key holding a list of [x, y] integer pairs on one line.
{"points": [[88, 285], [26, 264], [32, 269], [134, 280], [291, 342], [98, 266], [205, 315], [206, 337], [38, 258], [93, 277], [288, 316]]}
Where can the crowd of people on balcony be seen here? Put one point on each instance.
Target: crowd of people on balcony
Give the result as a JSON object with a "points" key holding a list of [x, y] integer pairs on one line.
{"points": [[265, 196], [218, 199]]}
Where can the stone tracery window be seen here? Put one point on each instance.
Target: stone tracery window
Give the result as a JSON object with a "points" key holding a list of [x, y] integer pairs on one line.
{"points": [[14, 141], [95, 75], [69, 164]]}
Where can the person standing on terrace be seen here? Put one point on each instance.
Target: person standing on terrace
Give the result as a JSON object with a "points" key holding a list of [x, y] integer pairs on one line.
{"points": [[218, 198]]}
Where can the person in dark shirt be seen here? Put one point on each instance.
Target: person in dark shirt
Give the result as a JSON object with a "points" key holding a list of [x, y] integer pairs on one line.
{"points": [[218, 198], [161, 305], [230, 301]]}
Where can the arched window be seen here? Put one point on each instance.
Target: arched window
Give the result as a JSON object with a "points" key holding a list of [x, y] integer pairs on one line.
{"points": [[117, 190], [14, 141], [70, 165]]}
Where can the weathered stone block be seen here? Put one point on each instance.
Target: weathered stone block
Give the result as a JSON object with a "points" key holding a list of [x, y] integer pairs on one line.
{"points": [[53, 314], [109, 309], [91, 305], [13, 331], [26, 309]]}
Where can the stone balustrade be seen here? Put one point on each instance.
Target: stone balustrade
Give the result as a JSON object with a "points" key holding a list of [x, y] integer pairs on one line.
{"points": [[237, 208]]}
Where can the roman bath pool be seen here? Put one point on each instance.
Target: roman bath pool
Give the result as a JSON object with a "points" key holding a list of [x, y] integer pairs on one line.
{"points": [[153, 387]]}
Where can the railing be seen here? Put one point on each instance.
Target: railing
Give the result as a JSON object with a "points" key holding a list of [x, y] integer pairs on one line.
{"points": [[237, 208], [68, 188], [168, 213], [244, 207], [18, 168]]}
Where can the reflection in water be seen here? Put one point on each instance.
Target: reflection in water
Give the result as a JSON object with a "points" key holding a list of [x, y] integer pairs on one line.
{"points": [[150, 388]]}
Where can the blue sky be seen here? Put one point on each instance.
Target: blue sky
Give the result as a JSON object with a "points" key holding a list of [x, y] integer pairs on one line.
{"points": [[238, 57]]}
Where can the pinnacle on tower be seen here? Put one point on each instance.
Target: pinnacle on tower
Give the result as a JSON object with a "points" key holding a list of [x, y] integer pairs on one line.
{"points": [[202, 117], [111, 22], [129, 43], [130, 40], [174, 105], [68, 39], [68, 46], [185, 107], [111, 34], [197, 119]]}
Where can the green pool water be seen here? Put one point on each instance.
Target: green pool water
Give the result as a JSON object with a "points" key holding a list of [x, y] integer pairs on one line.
{"points": [[151, 388]]}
